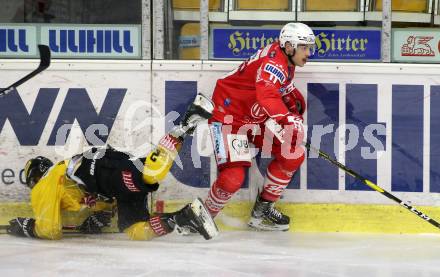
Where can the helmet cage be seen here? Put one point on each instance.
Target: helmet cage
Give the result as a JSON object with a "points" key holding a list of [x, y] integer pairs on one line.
{"points": [[35, 169]]}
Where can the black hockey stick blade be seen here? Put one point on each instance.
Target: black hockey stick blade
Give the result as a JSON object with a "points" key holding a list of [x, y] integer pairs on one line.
{"points": [[372, 185], [44, 63]]}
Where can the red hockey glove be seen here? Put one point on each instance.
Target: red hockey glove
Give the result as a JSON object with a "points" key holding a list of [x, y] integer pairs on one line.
{"points": [[289, 128], [294, 101]]}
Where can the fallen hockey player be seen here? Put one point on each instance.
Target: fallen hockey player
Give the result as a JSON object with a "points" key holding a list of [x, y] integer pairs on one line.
{"points": [[98, 180]]}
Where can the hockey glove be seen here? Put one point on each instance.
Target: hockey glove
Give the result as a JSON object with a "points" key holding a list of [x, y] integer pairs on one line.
{"points": [[294, 101], [94, 223], [289, 128], [89, 200], [21, 227]]}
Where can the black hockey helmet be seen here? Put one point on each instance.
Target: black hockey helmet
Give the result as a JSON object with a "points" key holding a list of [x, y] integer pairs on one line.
{"points": [[35, 169]]}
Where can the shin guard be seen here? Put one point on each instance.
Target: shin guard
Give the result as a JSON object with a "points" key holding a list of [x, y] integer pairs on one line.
{"points": [[228, 182]]}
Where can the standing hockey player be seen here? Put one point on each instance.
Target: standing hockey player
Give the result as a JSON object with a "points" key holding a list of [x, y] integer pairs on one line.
{"points": [[81, 183], [259, 103]]}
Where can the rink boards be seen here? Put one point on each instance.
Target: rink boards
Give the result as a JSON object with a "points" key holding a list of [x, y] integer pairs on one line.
{"points": [[390, 111]]}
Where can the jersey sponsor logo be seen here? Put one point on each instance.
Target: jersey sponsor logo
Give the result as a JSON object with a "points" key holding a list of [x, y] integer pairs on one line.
{"points": [[127, 178], [93, 163], [274, 189], [157, 227], [212, 206], [239, 148], [168, 142], [275, 73], [222, 195], [219, 148], [290, 87], [258, 112]]}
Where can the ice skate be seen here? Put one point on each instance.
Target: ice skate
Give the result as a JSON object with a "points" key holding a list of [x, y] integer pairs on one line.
{"points": [[200, 109], [265, 217], [195, 218]]}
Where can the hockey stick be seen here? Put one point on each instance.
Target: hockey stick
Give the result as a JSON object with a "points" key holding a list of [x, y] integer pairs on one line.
{"points": [[44, 63], [66, 229], [372, 185], [69, 229]]}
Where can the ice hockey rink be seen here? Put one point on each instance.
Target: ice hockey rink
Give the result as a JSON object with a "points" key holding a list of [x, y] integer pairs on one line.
{"points": [[123, 74], [239, 253]]}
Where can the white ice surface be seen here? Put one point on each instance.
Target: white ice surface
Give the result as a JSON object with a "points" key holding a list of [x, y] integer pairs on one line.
{"points": [[243, 253]]}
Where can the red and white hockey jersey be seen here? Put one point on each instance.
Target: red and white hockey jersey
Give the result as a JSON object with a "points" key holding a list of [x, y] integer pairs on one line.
{"points": [[254, 91]]}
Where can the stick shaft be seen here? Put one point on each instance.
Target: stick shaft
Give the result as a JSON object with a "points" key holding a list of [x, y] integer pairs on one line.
{"points": [[70, 227], [44, 63], [372, 185]]}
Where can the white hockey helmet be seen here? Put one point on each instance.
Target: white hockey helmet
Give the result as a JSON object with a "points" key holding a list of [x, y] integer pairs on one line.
{"points": [[296, 33]]}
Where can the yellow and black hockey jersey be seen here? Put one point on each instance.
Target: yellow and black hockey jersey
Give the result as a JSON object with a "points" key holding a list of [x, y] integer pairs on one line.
{"points": [[58, 197], [57, 200]]}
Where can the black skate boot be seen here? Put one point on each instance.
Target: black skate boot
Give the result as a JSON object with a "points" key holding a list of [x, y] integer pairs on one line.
{"points": [[265, 217], [200, 109], [193, 218]]}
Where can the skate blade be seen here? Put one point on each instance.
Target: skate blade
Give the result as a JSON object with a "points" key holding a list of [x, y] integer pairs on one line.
{"points": [[202, 213], [204, 102], [257, 224], [184, 231]]}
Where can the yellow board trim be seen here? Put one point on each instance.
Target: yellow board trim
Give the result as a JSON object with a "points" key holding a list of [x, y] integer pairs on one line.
{"points": [[352, 218]]}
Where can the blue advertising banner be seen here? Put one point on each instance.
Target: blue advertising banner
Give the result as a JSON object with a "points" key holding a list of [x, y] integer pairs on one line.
{"points": [[332, 44], [239, 43]]}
